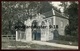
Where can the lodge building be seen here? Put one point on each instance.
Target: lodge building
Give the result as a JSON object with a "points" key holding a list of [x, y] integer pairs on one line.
{"points": [[52, 20]]}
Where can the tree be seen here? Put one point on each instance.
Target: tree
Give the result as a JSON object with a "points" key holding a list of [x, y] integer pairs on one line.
{"points": [[45, 7], [11, 13], [14, 11], [72, 11]]}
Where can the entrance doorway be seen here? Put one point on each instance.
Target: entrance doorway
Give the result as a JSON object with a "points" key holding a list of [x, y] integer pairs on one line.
{"points": [[36, 32]]}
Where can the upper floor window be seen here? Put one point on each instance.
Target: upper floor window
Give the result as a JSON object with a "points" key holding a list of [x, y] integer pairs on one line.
{"points": [[57, 26]]}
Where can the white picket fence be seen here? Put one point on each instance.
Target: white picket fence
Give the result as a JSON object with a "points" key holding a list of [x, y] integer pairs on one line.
{"points": [[8, 37]]}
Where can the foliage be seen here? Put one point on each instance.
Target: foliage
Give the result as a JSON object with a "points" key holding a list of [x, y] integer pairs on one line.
{"points": [[68, 38], [11, 13], [45, 6], [72, 11], [67, 29]]}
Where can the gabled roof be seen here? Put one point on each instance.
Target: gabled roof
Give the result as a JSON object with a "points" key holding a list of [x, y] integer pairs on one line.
{"points": [[57, 14]]}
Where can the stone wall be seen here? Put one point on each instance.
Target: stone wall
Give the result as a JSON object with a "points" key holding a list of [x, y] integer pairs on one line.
{"points": [[61, 22]]}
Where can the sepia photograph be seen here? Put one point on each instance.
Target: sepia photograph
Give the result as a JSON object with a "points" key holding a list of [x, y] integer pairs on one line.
{"points": [[39, 25]]}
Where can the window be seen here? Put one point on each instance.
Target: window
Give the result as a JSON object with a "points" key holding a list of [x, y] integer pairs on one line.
{"points": [[57, 26]]}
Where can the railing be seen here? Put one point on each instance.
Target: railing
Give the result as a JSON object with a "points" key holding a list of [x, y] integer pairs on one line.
{"points": [[8, 37]]}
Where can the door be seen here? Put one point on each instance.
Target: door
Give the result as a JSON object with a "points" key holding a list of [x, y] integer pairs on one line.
{"points": [[36, 33]]}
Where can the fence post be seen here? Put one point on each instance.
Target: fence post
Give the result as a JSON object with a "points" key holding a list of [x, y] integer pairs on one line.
{"points": [[16, 35]]}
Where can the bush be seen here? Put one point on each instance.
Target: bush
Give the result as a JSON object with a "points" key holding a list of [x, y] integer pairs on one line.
{"points": [[71, 32], [68, 38], [67, 30]]}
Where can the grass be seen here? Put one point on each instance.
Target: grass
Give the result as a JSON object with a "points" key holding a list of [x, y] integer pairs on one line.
{"points": [[66, 40], [28, 46], [60, 40]]}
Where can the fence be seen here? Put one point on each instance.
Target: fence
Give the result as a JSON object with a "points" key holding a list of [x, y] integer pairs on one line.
{"points": [[8, 37]]}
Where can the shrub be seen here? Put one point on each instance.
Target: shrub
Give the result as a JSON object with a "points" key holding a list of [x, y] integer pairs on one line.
{"points": [[67, 30], [71, 32], [68, 38]]}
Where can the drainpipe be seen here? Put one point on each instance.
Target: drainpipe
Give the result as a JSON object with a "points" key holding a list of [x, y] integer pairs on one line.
{"points": [[54, 18]]}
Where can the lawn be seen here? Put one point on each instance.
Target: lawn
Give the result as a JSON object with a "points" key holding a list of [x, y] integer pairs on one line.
{"points": [[6, 44], [22, 45], [66, 40]]}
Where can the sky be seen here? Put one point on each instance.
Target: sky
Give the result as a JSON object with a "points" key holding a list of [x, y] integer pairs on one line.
{"points": [[56, 4]]}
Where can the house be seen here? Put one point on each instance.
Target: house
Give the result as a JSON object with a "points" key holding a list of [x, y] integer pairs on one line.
{"points": [[42, 27]]}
